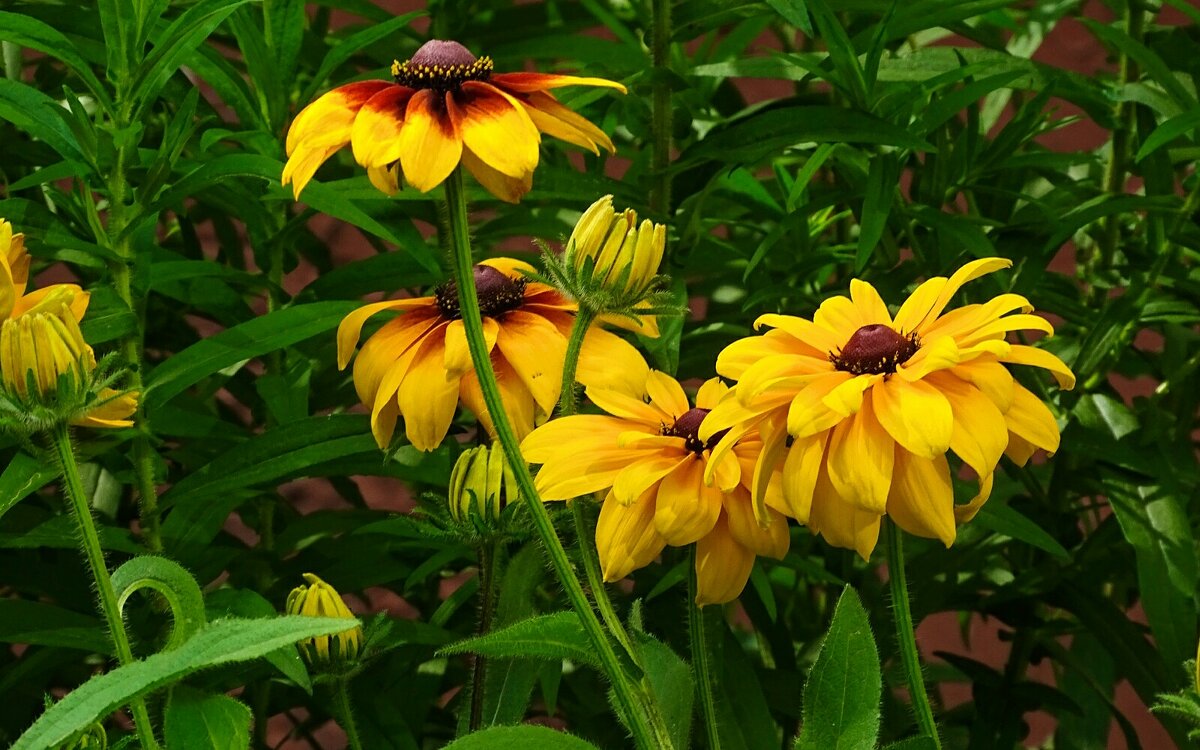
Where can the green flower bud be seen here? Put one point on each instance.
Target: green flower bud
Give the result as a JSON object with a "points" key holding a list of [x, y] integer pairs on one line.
{"points": [[328, 653], [481, 484]]}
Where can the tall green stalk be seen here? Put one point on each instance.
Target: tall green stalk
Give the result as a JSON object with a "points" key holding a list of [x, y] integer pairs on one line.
{"points": [[701, 653], [568, 402], [906, 634], [341, 700], [90, 541], [660, 110], [646, 734], [489, 561]]}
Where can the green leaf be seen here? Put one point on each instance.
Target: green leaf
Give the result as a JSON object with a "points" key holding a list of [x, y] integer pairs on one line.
{"points": [[173, 583], [23, 476], [1004, 519], [671, 680], [36, 114], [877, 204], [1169, 131], [1147, 59], [176, 43], [913, 743], [794, 12], [520, 738], [38, 624], [238, 344], [841, 52], [221, 642], [198, 720], [841, 697], [553, 636], [345, 49], [29, 32]]}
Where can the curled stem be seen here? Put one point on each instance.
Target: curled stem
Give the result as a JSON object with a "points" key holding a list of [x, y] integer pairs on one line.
{"points": [[906, 634], [90, 541], [646, 734]]}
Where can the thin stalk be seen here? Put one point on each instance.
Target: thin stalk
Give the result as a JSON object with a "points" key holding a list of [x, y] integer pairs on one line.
{"points": [[646, 734], [1115, 172], [568, 398], [906, 635], [591, 566], [341, 700], [90, 538], [489, 559], [697, 629], [660, 110]]}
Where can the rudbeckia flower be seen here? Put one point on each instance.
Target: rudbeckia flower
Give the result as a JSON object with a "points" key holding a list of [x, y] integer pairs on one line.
{"points": [[648, 456], [417, 365], [860, 407], [444, 107], [14, 278]]}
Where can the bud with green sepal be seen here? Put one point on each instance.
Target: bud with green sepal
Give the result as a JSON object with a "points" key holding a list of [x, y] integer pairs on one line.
{"points": [[482, 485], [335, 654]]}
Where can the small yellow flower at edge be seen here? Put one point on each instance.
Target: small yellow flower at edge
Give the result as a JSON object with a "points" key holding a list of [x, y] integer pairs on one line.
{"points": [[319, 599]]}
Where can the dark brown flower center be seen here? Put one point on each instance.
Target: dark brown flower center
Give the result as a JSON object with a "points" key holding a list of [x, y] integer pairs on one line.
{"points": [[875, 350], [442, 65], [687, 426], [497, 293]]}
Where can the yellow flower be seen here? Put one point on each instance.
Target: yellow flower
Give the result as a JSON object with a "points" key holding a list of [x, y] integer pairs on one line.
{"points": [[444, 107], [42, 345], [319, 599], [649, 458], [14, 278], [859, 407], [417, 365]]}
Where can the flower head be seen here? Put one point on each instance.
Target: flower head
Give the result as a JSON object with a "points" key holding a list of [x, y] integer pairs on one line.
{"points": [[859, 407], [648, 455], [14, 279], [319, 599], [417, 365], [443, 107]]}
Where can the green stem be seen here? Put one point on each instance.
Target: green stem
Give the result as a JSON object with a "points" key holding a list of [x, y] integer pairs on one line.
{"points": [[73, 488], [488, 560], [700, 656], [568, 398], [906, 634], [341, 699], [645, 735], [660, 110], [591, 566]]}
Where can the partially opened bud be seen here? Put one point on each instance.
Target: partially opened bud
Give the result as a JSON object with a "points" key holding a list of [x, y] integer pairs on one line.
{"points": [[335, 652], [481, 484], [40, 348], [614, 250]]}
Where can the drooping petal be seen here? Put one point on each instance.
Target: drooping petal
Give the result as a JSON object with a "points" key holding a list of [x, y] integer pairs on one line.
{"points": [[507, 189], [1031, 420], [916, 415], [841, 523], [625, 536], [389, 345], [428, 397], [861, 455], [686, 508], [529, 82], [980, 433], [303, 164], [808, 414], [458, 356], [552, 118], [800, 470], [351, 326], [1019, 354], [430, 146], [989, 376], [376, 135], [518, 401], [496, 128], [771, 540], [645, 473], [536, 350], [385, 179], [722, 566], [328, 120], [116, 412], [774, 443], [922, 498], [607, 361]]}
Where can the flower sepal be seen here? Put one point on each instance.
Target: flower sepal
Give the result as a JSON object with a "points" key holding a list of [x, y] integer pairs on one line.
{"points": [[481, 500]]}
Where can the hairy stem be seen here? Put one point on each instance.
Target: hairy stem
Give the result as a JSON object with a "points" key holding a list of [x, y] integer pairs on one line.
{"points": [[906, 635], [591, 566], [568, 398], [644, 734], [660, 110], [489, 559], [345, 713], [90, 538], [698, 631]]}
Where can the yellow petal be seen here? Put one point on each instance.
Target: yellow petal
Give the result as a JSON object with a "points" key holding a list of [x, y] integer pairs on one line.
{"points": [[645, 473], [686, 508], [458, 356], [840, 523], [507, 189], [969, 272], [841, 317], [536, 350], [916, 308], [666, 393], [916, 415], [496, 128], [328, 120], [771, 540], [625, 536], [350, 329], [430, 146], [1019, 354], [428, 397], [935, 354], [610, 362], [710, 393], [870, 305], [808, 413], [861, 454], [621, 404], [518, 401], [1031, 420], [800, 470], [774, 443], [989, 376], [922, 499], [722, 567], [375, 137], [847, 397], [819, 340]]}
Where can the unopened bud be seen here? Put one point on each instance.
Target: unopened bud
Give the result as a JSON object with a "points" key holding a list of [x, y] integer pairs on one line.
{"points": [[326, 652]]}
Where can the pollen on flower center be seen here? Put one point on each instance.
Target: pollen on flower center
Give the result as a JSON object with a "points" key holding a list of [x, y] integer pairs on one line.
{"points": [[687, 426], [875, 350], [443, 65], [497, 293]]}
